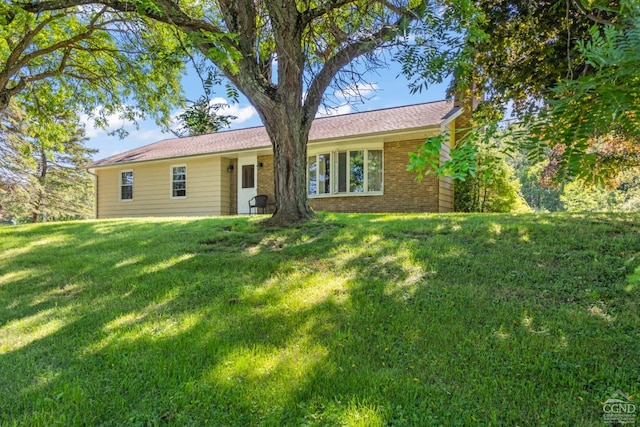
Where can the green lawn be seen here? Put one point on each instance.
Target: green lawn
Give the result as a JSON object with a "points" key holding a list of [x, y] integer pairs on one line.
{"points": [[347, 320]]}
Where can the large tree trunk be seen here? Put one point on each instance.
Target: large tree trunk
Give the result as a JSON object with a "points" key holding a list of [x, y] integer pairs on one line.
{"points": [[284, 116], [289, 139]]}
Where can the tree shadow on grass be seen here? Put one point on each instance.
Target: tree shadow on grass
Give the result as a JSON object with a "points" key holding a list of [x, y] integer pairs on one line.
{"points": [[371, 320]]}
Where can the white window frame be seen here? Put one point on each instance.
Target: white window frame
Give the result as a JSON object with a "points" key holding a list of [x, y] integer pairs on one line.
{"points": [[120, 185], [331, 165], [172, 182], [333, 152]]}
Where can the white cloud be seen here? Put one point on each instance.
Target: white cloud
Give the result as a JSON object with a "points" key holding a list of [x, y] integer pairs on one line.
{"points": [[357, 90], [325, 111], [242, 113], [113, 121], [347, 97]]}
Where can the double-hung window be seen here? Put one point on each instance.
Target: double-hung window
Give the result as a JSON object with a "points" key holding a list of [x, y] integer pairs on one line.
{"points": [[178, 181], [357, 171], [126, 185]]}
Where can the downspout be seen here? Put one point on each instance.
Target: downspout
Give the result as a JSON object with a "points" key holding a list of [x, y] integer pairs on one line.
{"points": [[95, 193]]}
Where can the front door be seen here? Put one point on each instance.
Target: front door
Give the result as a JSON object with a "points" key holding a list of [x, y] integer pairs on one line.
{"points": [[247, 182]]}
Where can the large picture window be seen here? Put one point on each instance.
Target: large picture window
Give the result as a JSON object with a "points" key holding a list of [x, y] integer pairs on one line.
{"points": [[178, 181], [356, 171], [126, 185]]}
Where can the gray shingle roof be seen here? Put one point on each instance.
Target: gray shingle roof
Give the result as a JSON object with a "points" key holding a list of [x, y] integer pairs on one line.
{"points": [[347, 125]]}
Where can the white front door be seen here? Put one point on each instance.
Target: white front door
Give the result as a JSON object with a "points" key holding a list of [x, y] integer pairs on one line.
{"points": [[247, 182]]}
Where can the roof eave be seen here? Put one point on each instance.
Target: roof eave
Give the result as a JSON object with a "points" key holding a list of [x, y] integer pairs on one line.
{"points": [[451, 116]]}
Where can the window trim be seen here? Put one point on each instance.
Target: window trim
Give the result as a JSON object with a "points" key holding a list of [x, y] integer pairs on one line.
{"points": [[171, 181], [120, 185], [333, 152]]}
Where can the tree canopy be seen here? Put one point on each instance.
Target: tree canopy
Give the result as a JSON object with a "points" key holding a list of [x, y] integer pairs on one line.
{"points": [[106, 62], [529, 47], [42, 163], [569, 72], [592, 123]]}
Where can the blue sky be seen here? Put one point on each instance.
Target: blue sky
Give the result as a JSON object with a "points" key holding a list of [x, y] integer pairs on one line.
{"points": [[384, 89]]}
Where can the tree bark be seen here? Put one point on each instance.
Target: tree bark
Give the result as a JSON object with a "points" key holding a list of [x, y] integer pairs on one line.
{"points": [[289, 139]]}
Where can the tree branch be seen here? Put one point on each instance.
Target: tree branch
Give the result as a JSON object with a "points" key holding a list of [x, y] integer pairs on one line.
{"points": [[171, 13], [349, 53], [591, 16], [316, 12]]}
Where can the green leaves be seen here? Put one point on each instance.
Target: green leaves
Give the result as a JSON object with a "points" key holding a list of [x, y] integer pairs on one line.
{"points": [[105, 60], [458, 162], [428, 159], [201, 117], [42, 163], [592, 123]]}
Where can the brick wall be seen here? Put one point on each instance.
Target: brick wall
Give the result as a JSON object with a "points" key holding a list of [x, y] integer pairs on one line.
{"points": [[266, 183]]}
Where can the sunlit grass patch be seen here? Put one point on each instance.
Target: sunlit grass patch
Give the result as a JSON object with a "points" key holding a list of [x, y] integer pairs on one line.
{"points": [[21, 332], [344, 320]]}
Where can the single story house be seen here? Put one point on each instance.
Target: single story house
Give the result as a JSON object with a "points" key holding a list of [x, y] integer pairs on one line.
{"points": [[356, 163]]}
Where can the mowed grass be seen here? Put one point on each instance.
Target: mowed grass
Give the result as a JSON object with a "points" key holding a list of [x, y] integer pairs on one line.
{"points": [[346, 320]]}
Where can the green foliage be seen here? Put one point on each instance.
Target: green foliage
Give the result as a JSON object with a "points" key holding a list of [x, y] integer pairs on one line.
{"points": [[568, 69], [201, 117], [529, 48], [110, 63], [484, 181], [440, 49], [460, 164], [541, 198], [42, 167], [543, 192], [493, 188], [593, 122], [577, 197], [375, 320]]}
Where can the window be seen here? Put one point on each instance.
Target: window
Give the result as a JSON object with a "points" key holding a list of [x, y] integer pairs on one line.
{"points": [[126, 185], [248, 176], [356, 171], [345, 172], [178, 181], [374, 170], [319, 174]]}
